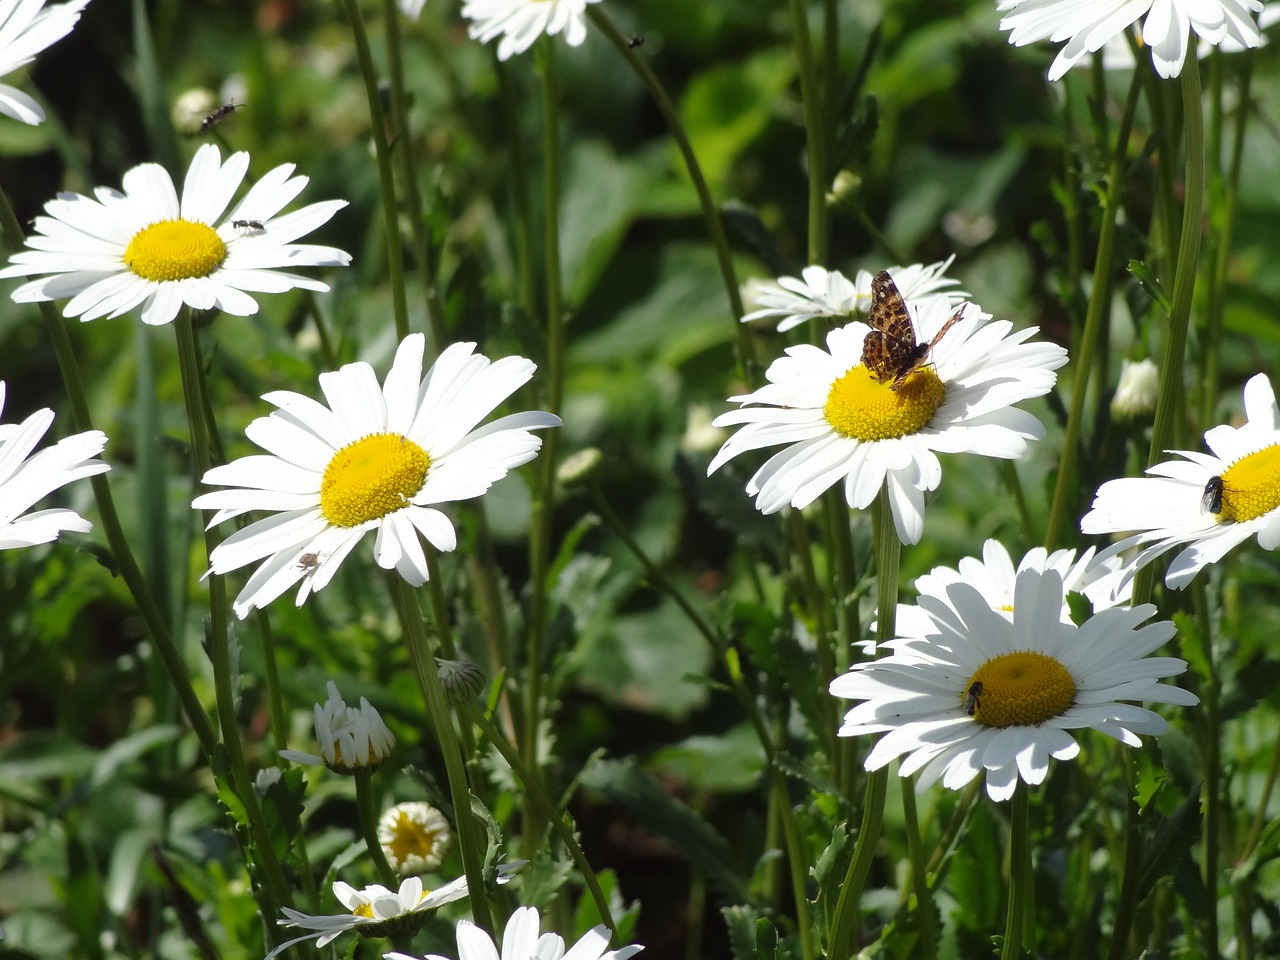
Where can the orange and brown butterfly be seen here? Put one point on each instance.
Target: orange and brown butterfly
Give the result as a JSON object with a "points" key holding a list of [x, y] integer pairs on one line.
{"points": [[890, 351]]}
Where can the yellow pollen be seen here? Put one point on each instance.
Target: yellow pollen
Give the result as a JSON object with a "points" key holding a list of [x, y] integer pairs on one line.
{"points": [[1021, 690], [364, 910], [175, 250], [371, 478], [860, 408], [411, 839], [1251, 486]]}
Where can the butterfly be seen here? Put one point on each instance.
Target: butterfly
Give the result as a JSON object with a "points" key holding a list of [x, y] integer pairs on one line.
{"points": [[971, 701], [890, 351], [1211, 502]]}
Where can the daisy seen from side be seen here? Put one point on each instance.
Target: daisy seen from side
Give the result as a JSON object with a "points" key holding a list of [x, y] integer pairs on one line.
{"points": [[520, 22], [981, 692], [839, 425], [521, 941], [144, 246], [374, 459], [351, 739], [26, 28], [26, 477], [827, 294], [1087, 26], [376, 911], [1207, 502]]}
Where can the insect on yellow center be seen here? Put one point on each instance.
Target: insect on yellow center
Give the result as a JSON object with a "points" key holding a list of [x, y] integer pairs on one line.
{"points": [[1251, 486], [175, 250], [371, 478], [1020, 690], [860, 408]]}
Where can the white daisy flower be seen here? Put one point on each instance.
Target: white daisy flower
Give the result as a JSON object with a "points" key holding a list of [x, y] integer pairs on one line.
{"points": [[146, 247], [994, 577], [1087, 26], [25, 478], [1118, 54], [1211, 502], [375, 459], [520, 941], [376, 911], [980, 691], [26, 28], [819, 292], [521, 22], [414, 837], [839, 424], [350, 739]]}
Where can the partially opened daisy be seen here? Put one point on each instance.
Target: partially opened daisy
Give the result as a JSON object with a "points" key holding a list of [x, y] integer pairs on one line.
{"points": [[374, 459], [26, 477], [376, 911], [351, 739], [821, 293], [1087, 26], [414, 837], [521, 22], [26, 28], [840, 425], [980, 691], [146, 247], [520, 941], [1211, 502]]}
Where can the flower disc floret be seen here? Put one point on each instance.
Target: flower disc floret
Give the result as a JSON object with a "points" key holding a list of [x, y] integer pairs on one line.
{"points": [[175, 250], [371, 478], [1251, 486], [861, 408], [1022, 689]]}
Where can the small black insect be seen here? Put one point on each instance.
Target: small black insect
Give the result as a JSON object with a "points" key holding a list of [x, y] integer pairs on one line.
{"points": [[209, 122], [636, 41], [248, 224], [1211, 502], [971, 702]]}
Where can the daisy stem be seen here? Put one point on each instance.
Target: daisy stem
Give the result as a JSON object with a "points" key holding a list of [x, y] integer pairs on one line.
{"points": [[710, 212], [888, 557], [1211, 797], [552, 813], [1019, 873], [1064, 488], [117, 541], [815, 141], [1127, 901], [369, 827], [386, 177], [1169, 404], [523, 220], [834, 646], [221, 651], [424, 667], [926, 926]]}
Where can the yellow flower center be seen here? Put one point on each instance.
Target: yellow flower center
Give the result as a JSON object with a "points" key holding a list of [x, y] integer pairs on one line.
{"points": [[411, 839], [371, 478], [1251, 486], [364, 910], [175, 250], [1020, 690], [860, 408]]}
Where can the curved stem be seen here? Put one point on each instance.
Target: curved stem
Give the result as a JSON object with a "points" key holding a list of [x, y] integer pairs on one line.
{"points": [[1064, 488], [386, 179]]}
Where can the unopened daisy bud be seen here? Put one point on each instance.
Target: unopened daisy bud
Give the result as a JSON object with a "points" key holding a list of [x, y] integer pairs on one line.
{"points": [[267, 778], [1137, 391], [577, 467], [190, 109], [700, 435], [414, 837], [461, 680], [350, 739], [843, 187]]}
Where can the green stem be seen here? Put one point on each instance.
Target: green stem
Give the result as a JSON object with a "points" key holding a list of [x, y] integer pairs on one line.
{"points": [[710, 213], [888, 557], [814, 131], [519, 189], [424, 668], [275, 699], [926, 924], [369, 827], [1261, 817], [386, 178], [798, 863], [1127, 903], [1064, 488], [1019, 881], [1211, 798]]}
